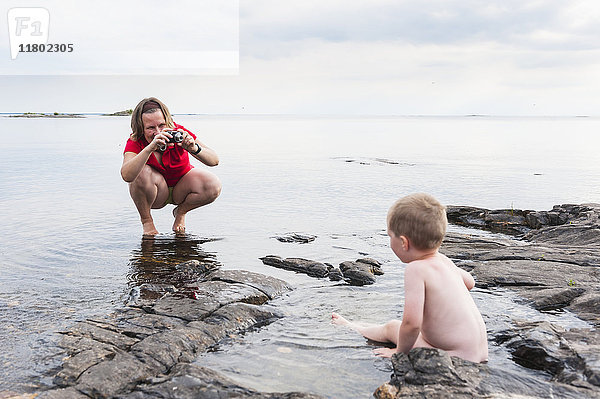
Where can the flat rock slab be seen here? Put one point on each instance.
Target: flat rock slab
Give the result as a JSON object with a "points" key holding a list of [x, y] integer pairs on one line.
{"points": [[147, 350], [208, 297], [193, 381], [270, 286]]}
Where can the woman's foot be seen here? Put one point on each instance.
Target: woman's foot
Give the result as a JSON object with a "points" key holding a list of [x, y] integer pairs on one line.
{"points": [[149, 228], [179, 223]]}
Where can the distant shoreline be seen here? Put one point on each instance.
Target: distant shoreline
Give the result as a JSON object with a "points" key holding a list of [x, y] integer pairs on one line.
{"points": [[41, 115], [302, 116]]}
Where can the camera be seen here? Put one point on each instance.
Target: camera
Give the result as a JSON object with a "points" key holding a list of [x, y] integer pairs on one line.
{"points": [[177, 136]]}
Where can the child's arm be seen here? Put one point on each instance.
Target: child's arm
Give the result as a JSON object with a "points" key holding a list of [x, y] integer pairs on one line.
{"points": [[414, 305], [412, 317], [467, 278]]}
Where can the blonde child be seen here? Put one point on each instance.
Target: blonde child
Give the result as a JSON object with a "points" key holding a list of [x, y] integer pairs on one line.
{"points": [[439, 311]]}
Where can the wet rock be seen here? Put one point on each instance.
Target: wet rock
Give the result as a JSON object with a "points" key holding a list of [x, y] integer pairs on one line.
{"points": [[168, 348], [296, 238], [240, 317], [194, 269], [61, 393], [115, 376], [357, 273], [571, 357], [554, 298], [99, 332], [208, 297], [520, 222], [298, 265], [140, 348], [74, 365], [508, 221], [374, 265], [432, 373], [587, 306], [270, 286], [335, 274], [139, 325], [193, 381]]}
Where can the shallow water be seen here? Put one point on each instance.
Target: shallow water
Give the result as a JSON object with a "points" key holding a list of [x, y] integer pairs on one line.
{"points": [[72, 248]]}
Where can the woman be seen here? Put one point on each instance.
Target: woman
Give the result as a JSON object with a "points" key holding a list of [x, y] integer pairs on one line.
{"points": [[159, 171]]}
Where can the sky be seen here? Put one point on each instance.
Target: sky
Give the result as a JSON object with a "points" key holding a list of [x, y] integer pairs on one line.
{"points": [[375, 57]]}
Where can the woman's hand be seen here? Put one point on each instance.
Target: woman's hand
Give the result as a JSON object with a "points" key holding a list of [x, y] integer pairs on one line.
{"points": [[188, 143], [160, 141]]}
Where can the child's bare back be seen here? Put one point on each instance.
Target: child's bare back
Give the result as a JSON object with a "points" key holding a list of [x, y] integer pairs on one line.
{"points": [[450, 318]]}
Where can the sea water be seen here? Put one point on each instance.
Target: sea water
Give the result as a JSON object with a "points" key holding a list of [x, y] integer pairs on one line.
{"points": [[71, 237]]}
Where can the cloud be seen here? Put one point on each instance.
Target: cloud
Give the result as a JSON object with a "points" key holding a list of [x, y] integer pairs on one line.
{"points": [[553, 24], [387, 57]]}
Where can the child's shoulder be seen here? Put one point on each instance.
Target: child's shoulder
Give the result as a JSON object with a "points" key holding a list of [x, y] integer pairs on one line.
{"points": [[432, 262]]}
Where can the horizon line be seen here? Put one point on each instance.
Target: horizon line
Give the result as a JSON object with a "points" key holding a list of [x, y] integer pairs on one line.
{"points": [[332, 115]]}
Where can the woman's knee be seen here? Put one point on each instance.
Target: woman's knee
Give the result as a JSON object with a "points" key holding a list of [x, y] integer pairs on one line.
{"points": [[213, 188], [149, 183], [145, 178]]}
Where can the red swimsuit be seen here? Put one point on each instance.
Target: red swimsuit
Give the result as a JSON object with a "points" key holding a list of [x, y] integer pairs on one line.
{"points": [[175, 160]]}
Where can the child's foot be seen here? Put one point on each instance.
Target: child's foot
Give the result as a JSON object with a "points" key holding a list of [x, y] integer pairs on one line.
{"points": [[179, 223], [339, 320]]}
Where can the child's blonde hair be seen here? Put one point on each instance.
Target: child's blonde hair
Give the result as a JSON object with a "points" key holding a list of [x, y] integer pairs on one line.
{"points": [[421, 218]]}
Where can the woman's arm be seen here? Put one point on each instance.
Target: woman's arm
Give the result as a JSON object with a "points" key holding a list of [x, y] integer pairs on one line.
{"points": [[134, 163], [206, 155]]}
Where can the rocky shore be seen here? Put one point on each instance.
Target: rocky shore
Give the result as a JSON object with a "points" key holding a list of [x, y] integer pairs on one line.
{"points": [[550, 259], [147, 349]]}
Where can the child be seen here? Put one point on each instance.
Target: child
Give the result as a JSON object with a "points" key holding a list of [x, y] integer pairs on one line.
{"points": [[438, 309]]}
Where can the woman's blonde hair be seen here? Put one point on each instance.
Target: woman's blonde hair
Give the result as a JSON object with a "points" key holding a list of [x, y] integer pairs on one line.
{"points": [[421, 218], [148, 106]]}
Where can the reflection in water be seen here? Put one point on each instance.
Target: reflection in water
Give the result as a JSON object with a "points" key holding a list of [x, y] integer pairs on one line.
{"points": [[167, 264]]}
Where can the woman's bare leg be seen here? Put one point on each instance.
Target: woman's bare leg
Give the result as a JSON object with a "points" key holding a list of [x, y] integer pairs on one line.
{"points": [[387, 332], [148, 191], [197, 188]]}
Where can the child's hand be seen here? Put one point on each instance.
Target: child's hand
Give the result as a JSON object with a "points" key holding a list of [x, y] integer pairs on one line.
{"points": [[384, 352]]}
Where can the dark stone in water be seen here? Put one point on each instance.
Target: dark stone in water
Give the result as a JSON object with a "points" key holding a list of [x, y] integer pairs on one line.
{"points": [[360, 272], [299, 265], [335, 274], [357, 273], [296, 238]]}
